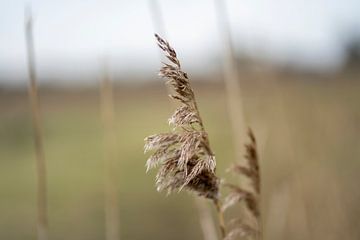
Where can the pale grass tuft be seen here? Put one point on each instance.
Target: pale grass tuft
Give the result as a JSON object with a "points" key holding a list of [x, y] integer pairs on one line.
{"points": [[184, 156]]}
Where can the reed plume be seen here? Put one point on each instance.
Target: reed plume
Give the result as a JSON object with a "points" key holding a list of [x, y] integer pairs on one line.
{"points": [[207, 223], [249, 225], [183, 155]]}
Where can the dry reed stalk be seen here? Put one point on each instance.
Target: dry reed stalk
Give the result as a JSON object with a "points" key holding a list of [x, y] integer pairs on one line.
{"points": [[206, 220], [110, 156], [238, 121], [42, 222], [231, 78], [184, 155], [249, 225], [159, 26]]}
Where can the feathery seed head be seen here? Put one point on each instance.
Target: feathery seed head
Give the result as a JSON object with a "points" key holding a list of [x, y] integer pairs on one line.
{"points": [[184, 155]]}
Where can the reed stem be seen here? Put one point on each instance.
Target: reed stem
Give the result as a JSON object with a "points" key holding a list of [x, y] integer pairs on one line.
{"points": [[42, 221], [110, 156], [206, 220], [221, 218], [231, 79]]}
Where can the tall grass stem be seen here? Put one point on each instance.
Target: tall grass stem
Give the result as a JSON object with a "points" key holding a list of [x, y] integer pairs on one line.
{"points": [[42, 219], [110, 157], [231, 78]]}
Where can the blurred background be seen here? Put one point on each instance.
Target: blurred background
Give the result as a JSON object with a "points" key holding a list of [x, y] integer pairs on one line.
{"points": [[298, 68]]}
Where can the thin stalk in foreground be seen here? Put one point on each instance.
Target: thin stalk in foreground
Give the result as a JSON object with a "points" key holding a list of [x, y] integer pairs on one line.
{"points": [[206, 220], [221, 218], [110, 156], [231, 79], [42, 222]]}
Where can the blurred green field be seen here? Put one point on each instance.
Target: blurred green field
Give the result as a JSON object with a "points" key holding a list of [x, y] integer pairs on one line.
{"points": [[308, 134]]}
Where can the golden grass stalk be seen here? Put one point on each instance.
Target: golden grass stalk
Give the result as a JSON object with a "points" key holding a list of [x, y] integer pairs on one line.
{"points": [[184, 155], [206, 219], [110, 156], [243, 228], [42, 221], [231, 78], [250, 224]]}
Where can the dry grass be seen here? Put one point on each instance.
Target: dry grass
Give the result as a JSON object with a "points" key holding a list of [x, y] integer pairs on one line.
{"points": [[322, 116], [42, 222], [187, 161], [231, 78], [110, 158], [184, 155]]}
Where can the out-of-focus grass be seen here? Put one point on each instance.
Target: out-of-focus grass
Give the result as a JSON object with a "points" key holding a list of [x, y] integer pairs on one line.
{"points": [[309, 148]]}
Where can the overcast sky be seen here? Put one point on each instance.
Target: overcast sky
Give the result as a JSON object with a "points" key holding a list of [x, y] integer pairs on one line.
{"points": [[71, 36]]}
